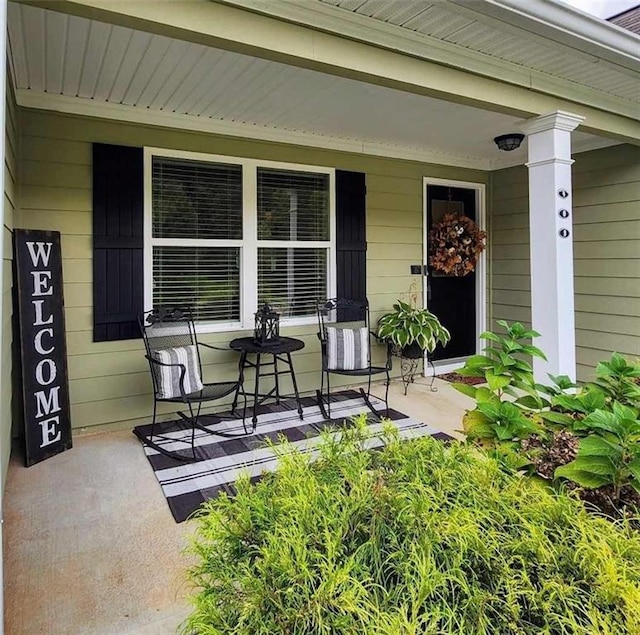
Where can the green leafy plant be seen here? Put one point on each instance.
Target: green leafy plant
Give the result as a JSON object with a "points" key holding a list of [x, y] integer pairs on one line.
{"points": [[537, 428], [610, 454], [494, 420], [504, 406], [504, 365], [586, 401], [406, 325], [567, 409], [619, 380], [542, 454], [416, 538]]}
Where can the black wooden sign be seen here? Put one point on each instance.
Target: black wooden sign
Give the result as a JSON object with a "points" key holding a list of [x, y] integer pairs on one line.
{"points": [[45, 391]]}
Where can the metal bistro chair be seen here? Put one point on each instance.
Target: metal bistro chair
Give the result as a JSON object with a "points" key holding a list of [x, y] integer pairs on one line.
{"points": [[172, 350], [346, 349]]}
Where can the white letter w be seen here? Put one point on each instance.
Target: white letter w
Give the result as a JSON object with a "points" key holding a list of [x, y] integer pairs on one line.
{"points": [[41, 251]]}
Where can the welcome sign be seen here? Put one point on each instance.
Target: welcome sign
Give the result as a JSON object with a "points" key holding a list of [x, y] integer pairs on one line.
{"points": [[38, 267]]}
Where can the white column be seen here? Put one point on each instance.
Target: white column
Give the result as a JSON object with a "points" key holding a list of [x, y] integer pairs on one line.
{"points": [[551, 235]]}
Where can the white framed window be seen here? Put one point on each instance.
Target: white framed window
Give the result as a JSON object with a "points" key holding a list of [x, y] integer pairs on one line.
{"points": [[225, 235]]}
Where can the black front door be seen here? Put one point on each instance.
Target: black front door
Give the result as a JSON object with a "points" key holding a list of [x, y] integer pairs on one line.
{"points": [[452, 298]]}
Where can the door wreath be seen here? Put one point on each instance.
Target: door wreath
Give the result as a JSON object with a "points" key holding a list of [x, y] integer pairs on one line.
{"points": [[455, 244]]}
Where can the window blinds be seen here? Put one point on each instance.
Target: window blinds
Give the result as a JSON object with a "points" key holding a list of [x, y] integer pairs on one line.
{"points": [[292, 205], [198, 243], [205, 278], [195, 199], [292, 279]]}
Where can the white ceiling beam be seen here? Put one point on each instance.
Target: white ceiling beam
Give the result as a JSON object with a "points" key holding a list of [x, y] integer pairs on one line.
{"points": [[147, 117]]}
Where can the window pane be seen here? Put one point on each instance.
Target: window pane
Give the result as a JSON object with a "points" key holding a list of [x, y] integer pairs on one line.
{"points": [[207, 279], [194, 199], [292, 205], [292, 279]]}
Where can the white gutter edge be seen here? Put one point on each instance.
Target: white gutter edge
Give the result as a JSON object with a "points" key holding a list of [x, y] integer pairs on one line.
{"points": [[549, 18], [571, 27]]}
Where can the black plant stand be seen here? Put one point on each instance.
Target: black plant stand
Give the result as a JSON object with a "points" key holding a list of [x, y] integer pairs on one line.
{"points": [[409, 365]]}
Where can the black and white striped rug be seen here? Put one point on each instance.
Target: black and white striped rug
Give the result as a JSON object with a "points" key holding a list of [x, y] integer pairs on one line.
{"points": [[187, 485]]}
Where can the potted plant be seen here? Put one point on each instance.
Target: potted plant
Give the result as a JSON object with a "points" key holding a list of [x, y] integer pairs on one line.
{"points": [[412, 330]]}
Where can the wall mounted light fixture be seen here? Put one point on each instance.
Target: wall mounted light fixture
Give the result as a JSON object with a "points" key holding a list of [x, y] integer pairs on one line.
{"points": [[509, 142]]}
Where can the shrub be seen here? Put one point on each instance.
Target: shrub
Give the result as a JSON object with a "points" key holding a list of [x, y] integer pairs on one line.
{"points": [[589, 437], [610, 455], [418, 537]]}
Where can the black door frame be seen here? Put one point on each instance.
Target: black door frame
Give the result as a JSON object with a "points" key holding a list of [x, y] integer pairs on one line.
{"points": [[448, 365]]}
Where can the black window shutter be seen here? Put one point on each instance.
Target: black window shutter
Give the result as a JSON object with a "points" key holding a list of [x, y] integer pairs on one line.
{"points": [[351, 239], [118, 274]]}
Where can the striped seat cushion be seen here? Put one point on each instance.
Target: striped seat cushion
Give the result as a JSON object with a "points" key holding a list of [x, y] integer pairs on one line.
{"points": [[168, 377], [347, 349]]}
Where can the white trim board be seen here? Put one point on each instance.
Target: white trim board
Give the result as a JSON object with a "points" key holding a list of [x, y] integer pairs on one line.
{"points": [[249, 244], [119, 112], [481, 266], [594, 39], [130, 114], [564, 23], [586, 33]]}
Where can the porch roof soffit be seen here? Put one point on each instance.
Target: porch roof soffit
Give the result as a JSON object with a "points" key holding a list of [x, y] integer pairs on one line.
{"points": [[84, 67], [523, 42], [284, 36], [518, 42]]}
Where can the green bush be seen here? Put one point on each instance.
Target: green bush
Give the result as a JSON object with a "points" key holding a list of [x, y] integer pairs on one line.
{"points": [[418, 537], [587, 435]]}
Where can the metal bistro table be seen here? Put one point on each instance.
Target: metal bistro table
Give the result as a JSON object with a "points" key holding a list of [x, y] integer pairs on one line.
{"points": [[280, 352]]}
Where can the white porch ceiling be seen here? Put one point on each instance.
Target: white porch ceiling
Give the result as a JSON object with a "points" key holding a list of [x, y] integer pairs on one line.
{"points": [[66, 62], [465, 24]]}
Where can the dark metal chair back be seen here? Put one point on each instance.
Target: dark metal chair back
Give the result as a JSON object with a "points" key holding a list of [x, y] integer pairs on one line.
{"points": [[167, 327], [345, 313], [341, 312], [173, 327]]}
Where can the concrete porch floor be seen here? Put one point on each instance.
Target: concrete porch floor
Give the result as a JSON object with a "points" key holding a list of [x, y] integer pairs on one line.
{"points": [[90, 546]]}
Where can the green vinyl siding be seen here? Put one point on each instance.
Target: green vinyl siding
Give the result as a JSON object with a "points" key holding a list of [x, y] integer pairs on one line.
{"points": [[109, 381], [606, 212], [11, 206], [510, 273], [606, 207]]}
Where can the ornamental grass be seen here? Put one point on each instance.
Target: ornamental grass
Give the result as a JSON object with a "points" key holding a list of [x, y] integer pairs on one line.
{"points": [[416, 538]]}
